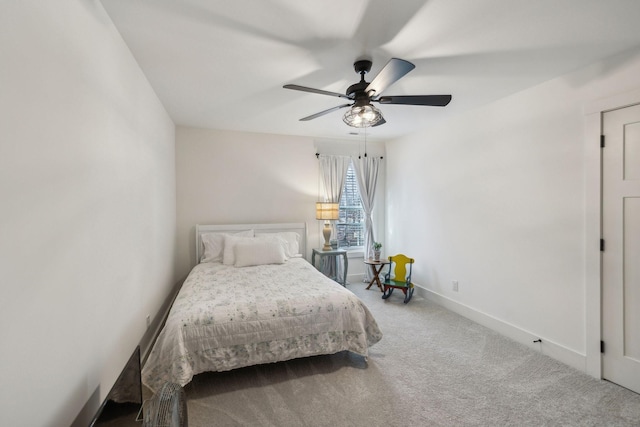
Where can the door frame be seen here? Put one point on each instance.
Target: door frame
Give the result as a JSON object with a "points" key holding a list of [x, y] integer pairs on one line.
{"points": [[593, 113]]}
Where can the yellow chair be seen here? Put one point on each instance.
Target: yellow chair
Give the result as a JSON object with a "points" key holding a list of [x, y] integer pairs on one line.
{"points": [[401, 278]]}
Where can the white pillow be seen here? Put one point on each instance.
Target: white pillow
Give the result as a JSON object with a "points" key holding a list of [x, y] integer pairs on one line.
{"points": [[214, 245], [277, 239], [291, 239], [228, 253], [258, 252]]}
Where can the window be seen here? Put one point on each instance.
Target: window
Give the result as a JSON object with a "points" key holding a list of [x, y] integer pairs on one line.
{"points": [[350, 225]]}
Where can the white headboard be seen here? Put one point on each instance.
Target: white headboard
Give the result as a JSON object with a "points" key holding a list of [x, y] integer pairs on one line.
{"points": [[298, 227]]}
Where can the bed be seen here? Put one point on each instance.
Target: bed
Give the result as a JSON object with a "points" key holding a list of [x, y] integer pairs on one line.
{"points": [[253, 299]]}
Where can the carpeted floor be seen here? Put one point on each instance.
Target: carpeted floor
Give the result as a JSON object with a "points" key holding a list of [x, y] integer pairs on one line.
{"points": [[432, 368]]}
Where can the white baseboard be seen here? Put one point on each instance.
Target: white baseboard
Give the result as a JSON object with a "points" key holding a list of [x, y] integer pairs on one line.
{"points": [[547, 347], [355, 278]]}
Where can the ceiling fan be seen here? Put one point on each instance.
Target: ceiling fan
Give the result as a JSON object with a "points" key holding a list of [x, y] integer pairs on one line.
{"points": [[362, 94]]}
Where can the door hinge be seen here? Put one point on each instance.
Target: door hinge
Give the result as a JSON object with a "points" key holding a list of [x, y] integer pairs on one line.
{"points": [[601, 141], [601, 346], [601, 245]]}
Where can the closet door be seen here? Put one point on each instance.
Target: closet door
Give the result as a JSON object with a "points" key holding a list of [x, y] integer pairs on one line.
{"points": [[621, 256]]}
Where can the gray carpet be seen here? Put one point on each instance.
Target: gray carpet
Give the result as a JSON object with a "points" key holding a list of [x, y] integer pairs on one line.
{"points": [[432, 368]]}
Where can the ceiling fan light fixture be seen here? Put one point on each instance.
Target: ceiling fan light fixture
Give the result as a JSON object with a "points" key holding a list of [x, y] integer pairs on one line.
{"points": [[362, 116]]}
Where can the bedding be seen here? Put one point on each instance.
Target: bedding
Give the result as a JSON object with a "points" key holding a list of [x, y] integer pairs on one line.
{"points": [[291, 241], [213, 244], [259, 252], [229, 251], [227, 317]]}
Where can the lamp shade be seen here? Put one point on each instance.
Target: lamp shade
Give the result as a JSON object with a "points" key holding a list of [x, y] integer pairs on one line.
{"points": [[327, 211]]}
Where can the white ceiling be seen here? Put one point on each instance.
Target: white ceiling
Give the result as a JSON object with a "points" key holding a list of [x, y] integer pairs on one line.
{"points": [[221, 64]]}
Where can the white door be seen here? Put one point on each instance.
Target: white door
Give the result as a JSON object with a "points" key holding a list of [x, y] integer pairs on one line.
{"points": [[621, 256]]}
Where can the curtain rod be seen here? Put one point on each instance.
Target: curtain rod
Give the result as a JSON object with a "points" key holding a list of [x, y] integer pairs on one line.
{"points": [[365, 154]]}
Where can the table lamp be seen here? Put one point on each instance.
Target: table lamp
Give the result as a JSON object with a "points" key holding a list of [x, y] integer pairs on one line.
{"points": [[327, 211]]}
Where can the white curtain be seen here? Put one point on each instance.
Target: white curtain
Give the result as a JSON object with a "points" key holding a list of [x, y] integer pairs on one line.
{"points": [[366, 169], [333, 170]]}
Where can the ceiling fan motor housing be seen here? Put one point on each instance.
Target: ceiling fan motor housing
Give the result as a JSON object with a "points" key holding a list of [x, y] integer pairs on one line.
{"points": [[357, 91]]}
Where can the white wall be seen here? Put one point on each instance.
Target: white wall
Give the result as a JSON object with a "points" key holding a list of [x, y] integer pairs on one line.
{"points": [[226, 177], [87, 225], [236, 177], [498, 204]]}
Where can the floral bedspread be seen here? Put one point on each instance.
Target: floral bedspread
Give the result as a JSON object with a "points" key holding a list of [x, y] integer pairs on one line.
{"points": [[226, 317]]}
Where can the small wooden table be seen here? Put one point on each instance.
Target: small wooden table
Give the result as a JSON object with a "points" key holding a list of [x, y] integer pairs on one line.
{"points": [[376, 268], [335, 253]]}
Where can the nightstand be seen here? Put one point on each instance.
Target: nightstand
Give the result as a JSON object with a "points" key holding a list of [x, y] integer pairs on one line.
{"points": [[333, 254]]}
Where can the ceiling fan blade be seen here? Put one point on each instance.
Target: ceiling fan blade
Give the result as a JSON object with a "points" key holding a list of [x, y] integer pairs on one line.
{"points": [[393, 71], [432, 100], [322, 113], [312, 90]]}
